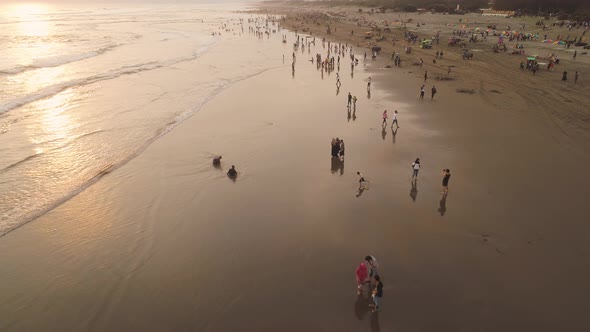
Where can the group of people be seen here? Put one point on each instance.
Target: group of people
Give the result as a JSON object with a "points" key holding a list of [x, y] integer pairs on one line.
{"points": [[394, 119], [446, 174], [423, 89], [232, 173], [367, 273], [337, 148]]}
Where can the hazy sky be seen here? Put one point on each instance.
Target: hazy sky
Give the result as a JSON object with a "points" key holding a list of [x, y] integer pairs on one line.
{"points": [[125, 1]]}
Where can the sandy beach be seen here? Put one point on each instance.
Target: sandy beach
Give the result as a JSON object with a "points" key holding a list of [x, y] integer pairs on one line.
{"points": [[168, 243]]}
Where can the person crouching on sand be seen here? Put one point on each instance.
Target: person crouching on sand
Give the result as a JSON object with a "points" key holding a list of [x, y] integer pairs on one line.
{"points": [[217, 161]]}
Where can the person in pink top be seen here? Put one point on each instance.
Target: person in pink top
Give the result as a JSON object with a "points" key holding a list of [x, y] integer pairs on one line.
{"points": [[384, 118], [361, 276]]}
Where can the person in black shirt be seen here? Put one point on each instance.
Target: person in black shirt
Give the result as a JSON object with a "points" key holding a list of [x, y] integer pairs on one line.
{"points": [[232, 173], [445, 181], [377, 293]]}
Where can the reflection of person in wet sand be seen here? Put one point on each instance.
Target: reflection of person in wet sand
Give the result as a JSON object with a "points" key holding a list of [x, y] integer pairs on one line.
{"points": [[337, 165], [414, 191], [360, 306], [443, 205], [375, 322], [393, 133]]}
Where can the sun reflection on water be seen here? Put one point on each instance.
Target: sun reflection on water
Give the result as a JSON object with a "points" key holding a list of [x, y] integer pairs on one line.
{"points": [[30, 18]]}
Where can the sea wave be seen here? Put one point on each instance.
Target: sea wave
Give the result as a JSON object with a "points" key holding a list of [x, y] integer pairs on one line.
{"points": [[112, 74], [56, 61], [15, 217]]}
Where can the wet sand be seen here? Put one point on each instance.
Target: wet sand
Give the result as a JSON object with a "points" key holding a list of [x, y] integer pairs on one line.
{"points": [[169, 243]]}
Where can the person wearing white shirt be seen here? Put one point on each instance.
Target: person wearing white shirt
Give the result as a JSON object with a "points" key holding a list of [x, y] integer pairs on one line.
{"points": [[416, 168]]}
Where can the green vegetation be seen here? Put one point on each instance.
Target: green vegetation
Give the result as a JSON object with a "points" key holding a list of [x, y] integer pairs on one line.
{"points": [[577, 8]]}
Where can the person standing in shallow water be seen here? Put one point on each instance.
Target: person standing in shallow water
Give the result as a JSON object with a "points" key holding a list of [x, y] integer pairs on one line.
{"points": [[445, 180], [232, 173]]}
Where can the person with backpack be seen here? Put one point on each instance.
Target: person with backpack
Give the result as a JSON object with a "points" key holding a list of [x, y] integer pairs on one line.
{"points": [[377, 294]]}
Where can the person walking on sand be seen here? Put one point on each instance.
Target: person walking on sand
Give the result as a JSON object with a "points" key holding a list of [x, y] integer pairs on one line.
{"points": [[445, 180], [415, 168], [394, 119], [354, 99], [425, 75], [349, 99], [575, 54], [384, 118], [361, 178], [341, 153], [422, 91], [369, 84], [576, 75], [433, 92], [377, 294]]}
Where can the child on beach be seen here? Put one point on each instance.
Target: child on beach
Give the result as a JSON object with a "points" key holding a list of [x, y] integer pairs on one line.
{"points": [[415, 168], [422, 91], [384, 118], [377, 294]]}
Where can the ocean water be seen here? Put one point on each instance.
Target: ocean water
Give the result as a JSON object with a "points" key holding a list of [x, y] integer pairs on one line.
{"points": [[84, 89]]}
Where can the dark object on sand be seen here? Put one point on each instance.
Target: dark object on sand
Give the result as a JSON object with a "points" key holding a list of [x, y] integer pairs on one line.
{"points": [[217, 161], [232, 173], [468, 91]]}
